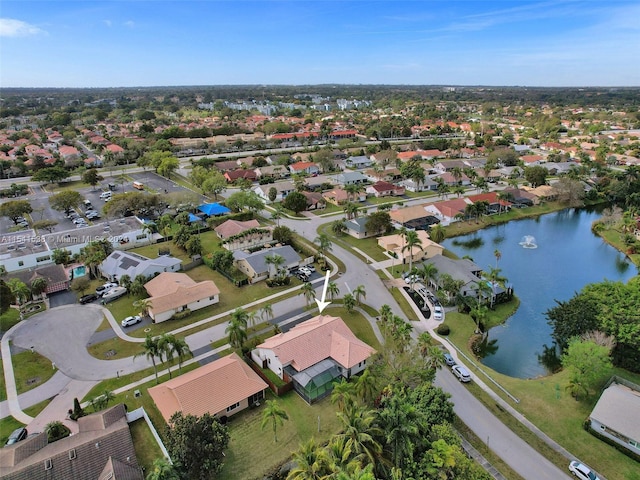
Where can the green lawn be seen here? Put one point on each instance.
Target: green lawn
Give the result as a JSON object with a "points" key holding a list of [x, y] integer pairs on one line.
{"points": [[545, 402], [147, 449], [252, 451], [30, 370], [9, 318], [367, 245], [7, 426]]}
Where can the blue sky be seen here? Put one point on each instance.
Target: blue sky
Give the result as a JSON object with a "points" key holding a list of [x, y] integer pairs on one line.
{"points": [[454, 42]]}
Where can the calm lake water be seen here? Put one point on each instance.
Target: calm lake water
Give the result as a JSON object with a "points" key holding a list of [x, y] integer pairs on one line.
{"points": [[568, 256]]}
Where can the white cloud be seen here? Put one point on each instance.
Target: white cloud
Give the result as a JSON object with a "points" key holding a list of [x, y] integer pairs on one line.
{"points": [[129, 23], [10, 27]]}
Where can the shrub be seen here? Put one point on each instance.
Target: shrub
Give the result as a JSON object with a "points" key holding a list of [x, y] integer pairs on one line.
{"points": [[180, 315], [443, 329]]}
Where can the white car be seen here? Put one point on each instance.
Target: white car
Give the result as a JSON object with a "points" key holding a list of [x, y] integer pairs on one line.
{"points": [[305, 270], [105, 194], [438, 313], [132, 320], [580, 470], [102, 289], [462, 373]]}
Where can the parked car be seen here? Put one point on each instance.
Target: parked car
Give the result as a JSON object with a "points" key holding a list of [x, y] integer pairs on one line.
{"points": [[132, 320], [462, 373], [305, 270], [105, 194], [438, 313], [302, 276], [88, 298], [580, 470], [102, 289], [92, 215], [114, 294], [449, 360], [310, 267], [17, 435]]}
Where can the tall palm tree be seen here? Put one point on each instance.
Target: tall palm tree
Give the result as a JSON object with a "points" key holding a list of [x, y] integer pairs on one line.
{"points": [[437, 233], [276, 261], [266, 312], [498, 255], [429, 273], [352, 190], [150, 351], [349, 302], [277, 214], [308, 291], [38, 286], [338, 459], [366, 387], [351, 210], [275, 415], [237, 327], [359, 293], [125, 281], [342, 393], [19, 290], [309, 462], [180, 348], [338, 227], [359, 433], [432, 355], [324, 244], [411, 240], [495, 278], [144, 305], [401, 423], [385, 313], [333, 290]]}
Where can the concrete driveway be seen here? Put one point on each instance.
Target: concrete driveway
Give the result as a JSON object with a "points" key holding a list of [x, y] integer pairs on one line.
{"points": [[61, 334]]}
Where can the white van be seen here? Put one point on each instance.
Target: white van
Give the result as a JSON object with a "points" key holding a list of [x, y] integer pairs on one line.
{"points": [[138, 186], [105, 194]]}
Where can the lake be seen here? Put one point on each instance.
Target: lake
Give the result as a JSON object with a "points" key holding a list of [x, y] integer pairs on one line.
{"points": [[568, 256]]}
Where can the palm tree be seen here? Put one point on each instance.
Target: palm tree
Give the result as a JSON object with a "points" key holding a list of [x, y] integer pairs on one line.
{"points": [[266, 312], [144, 305], [350, 210], [338, 227], [495, 278], [337, 457], [19, 290], [437, 233], [150, 352], [359, 293], [149, 228], [498, 255], [385, 313], [180, 348], [237, 327], [308, 291], [349, 302], [352, 190], [275, 415], [162, 469], [359, 433], [38, 286], [401, 423], [367, 387], [56, 430], [411, 240], [310, 463], [430, 353], [429, 273], [342, 393], [125, 281], [277, 214], [324, 244], [276, 261], [333, 290], [164, 347]]}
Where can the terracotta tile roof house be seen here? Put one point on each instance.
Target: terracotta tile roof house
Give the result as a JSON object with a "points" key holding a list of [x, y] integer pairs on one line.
{"points": [[175, 292], [223, 387], [235, 227], [403, 215], [304, 167], [103, 448], [337, 196], [313, 354], [491, 198], [395, 243], [234, 175], [384, 189], [448, 209], [449, 179], [68, 153], [114, 148]]}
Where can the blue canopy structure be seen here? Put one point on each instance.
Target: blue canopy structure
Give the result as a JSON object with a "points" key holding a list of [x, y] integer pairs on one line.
{"points": [[194, 218], [213, 209]]}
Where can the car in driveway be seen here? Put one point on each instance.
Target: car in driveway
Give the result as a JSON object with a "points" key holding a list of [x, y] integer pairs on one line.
{"points": [[114, 294], [580, 470], [17, 435], [438, 313], [462, 373], [132, 320], [102, 289], [88, 298], [448, 359]]}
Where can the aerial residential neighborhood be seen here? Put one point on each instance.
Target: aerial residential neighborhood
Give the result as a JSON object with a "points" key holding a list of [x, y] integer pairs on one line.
{"points": [[319, 240]]}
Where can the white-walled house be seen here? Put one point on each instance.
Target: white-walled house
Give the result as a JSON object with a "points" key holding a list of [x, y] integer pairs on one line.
{"points": [[172, 293], [313, 354], [120, 263]]}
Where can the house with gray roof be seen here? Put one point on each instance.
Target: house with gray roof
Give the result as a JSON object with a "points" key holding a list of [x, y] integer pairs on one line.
{"points": [[616, 416], [463, 270], [255, 267], [349, 178], [121, 263], [356, 227], [361, 161]]}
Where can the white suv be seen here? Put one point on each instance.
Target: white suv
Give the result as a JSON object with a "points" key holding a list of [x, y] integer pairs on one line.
{"points": [[582, 471], [462, 373], [105, 194]]}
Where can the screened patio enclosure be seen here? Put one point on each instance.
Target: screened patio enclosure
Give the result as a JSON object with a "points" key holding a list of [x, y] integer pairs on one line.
{"points": [[316, 382]]}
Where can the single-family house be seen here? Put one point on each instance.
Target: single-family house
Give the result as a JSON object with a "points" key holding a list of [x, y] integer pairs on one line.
{"points": [[254, 265], [230, 228], [447, 210], [236, 235], [315, 200], [384, 189], [339, 196], [414, 216], [357, 228], [496, 203], [518, 196], [426, 185], [450, 165], [313, 355], [176, 292], [103, 448], [282, 190], [309, 168], [69, 154], [55, 275], [222, 388], [616, 415], [350, 178], [240, 174], [120, 263], [386, 175], [272, 171], [450, 180], [361, 161], [396, 245]]}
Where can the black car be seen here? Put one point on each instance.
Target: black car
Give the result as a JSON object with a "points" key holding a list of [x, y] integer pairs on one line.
{"points": [[17, 435], [88, 298]]}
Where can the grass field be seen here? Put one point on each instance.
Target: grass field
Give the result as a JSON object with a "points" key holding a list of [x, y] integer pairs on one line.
{"points": [[147, 449], [31, 370], [252, 451]]}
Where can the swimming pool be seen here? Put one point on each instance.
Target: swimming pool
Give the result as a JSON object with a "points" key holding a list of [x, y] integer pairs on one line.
{"points": [[80, 271]]}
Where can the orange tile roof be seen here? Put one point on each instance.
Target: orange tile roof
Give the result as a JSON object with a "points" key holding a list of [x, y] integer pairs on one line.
{"points": [[317, 339], [175, 290], [167, 282], [210, 388]]}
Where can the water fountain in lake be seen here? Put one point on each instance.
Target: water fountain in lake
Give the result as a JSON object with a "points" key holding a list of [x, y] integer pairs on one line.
{"points": [[529, 241]]}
